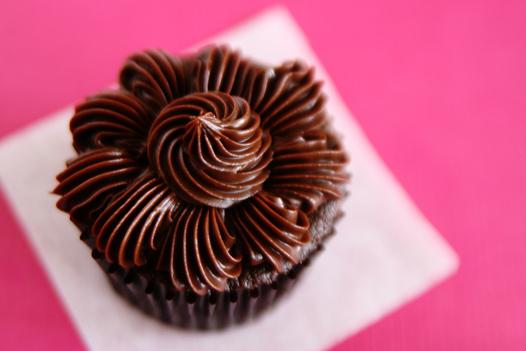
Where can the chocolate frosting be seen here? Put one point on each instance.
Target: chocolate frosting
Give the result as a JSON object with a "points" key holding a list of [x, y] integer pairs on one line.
{"points": [[202, 166], [210, 148], [197, 252]]}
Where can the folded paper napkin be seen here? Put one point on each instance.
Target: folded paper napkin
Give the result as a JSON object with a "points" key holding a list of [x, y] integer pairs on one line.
{"points": [[384, 254]]}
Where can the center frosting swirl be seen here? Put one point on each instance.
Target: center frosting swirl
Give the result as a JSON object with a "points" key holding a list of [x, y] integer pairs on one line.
{"points": [[210, 148]]}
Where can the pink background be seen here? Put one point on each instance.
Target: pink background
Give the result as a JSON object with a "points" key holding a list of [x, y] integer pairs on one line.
{"points": [[439, 87]]}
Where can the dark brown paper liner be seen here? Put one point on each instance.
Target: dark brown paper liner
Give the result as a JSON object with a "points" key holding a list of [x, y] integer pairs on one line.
{"points": [[212, 311]]}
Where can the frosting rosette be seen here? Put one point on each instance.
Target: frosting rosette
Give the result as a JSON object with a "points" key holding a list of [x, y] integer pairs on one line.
{"points": [[202, 166]]}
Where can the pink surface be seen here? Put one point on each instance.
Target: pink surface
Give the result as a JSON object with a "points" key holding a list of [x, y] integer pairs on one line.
{"points": [[439, 87]]}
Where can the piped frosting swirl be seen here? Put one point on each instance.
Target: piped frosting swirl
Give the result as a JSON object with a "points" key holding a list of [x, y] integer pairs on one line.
{"points": [[202, 166], [210, 148]]}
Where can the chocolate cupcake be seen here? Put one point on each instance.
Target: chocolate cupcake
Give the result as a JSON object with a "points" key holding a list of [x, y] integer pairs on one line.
{"points": [[205, 183]]}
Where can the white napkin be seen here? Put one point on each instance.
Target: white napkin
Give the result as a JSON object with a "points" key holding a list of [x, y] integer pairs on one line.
{"points": [[384, 254]]}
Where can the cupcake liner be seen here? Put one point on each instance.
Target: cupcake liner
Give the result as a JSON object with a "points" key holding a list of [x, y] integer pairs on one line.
{"points": [[215, 310]]}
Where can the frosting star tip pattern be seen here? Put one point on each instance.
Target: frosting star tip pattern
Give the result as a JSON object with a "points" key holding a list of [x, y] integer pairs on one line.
{"points": [[202, 165]]}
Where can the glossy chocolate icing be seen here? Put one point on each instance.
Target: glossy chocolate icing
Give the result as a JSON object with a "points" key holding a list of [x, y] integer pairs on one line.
{"points": [[202, 167], [210, 148]]}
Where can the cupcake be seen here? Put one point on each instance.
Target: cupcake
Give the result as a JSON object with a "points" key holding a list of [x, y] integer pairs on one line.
{"points": [[204, 184]]}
